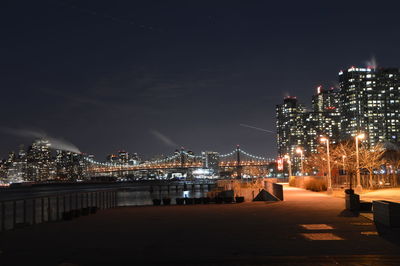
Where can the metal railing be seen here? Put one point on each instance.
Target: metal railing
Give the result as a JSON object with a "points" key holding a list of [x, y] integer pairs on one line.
{"points": [[19, 213]]}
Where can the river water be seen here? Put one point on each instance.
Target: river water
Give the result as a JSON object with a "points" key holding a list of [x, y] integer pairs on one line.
{"points": [[142, 197]]}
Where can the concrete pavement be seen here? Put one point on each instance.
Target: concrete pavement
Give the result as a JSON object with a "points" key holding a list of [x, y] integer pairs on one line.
{"points": [[307, 228]]}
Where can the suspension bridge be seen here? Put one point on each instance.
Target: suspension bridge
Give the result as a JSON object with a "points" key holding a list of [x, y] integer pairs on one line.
{"points": [[237, 158]]}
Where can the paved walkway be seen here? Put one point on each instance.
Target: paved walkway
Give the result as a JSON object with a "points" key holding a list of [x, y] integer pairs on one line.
{"points": [[307, 228], [391, 194]]}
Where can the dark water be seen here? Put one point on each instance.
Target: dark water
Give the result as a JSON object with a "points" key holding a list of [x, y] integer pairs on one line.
{"points": [[145, 197]]}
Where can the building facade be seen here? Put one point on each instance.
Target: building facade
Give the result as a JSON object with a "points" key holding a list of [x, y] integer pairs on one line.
{"points": [[370, 103]]}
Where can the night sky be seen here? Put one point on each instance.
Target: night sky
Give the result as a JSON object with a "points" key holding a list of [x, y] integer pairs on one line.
{"points": [[151, 76]]}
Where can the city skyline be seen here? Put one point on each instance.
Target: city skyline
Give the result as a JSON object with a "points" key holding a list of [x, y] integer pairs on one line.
{"points": [[152, 77]]}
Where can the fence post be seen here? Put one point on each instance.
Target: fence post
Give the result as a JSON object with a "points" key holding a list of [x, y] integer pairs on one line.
{"points": [[42, 199], [64, 203], [33, 211], [24, 212], [70, 201], [3, 216], [49, 209], [14, 213], [58, 207]]}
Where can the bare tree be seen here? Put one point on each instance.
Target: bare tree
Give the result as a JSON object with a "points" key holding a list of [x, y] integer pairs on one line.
{"points": [[317, 162], [392, 158], [371, 158]]}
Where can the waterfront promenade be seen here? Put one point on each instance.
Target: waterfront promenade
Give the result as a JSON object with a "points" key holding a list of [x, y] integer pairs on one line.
{"points": [[307, 228]]}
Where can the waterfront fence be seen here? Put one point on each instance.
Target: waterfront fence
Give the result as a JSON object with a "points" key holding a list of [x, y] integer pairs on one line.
{"points": [[19, 213]]}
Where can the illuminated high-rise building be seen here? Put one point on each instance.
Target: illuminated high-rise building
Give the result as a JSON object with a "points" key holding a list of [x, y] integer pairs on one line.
{"points": [[326, 114], [290, 118], [40, 165], [211, 161], [370, 103]]}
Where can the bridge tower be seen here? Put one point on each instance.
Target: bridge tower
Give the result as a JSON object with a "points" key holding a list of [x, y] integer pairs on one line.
{"points": [[182, 157], [238, 166]]}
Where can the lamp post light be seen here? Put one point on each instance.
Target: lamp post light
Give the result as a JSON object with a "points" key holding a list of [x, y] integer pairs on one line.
{"points": [[287, 157], [358, 187], [329, 190], [300, 151]]}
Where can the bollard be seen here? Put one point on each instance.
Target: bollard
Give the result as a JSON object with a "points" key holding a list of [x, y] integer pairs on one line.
{"points": [[76, 201], [87, 200]]}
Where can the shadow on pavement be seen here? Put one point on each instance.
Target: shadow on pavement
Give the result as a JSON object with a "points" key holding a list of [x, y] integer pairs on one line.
{"points": [[390, 234], [347, 213]]}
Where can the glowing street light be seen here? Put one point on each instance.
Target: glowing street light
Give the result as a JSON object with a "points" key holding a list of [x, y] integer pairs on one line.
{"points": [[329, 190], [287, 157], [300, 151], [358, 187]]}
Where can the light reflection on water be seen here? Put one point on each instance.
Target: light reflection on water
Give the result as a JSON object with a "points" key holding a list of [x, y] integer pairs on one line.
{"points": [[142, 198]]}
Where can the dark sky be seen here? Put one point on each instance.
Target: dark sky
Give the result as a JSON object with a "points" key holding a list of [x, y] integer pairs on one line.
{"points": [[147, 76]]}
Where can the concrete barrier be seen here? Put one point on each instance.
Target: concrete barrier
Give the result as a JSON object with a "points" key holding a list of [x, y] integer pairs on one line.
{"points": [[386, 213], [274, 189]]}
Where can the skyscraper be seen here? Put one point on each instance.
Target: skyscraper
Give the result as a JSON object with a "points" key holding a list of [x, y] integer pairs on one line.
{"points": [[40, 165], [211, 161], [370, 103], [326, 114], [290, 127]]}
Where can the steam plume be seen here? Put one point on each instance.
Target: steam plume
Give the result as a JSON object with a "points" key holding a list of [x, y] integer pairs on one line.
{"points": [[372, 63], [164, 139], [56, 143]]}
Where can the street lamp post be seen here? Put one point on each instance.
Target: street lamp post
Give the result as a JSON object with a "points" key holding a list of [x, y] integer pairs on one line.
{"points": [[287, 157], [344, 172], [329, 190], [358, 187], [300, 151]]}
